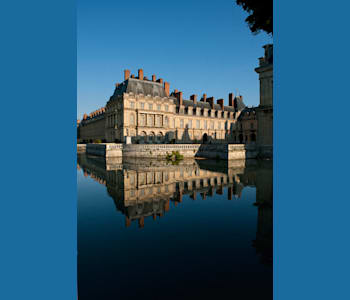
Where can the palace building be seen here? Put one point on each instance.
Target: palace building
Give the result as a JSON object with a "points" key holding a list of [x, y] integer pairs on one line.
{"points": [[143, 110]]}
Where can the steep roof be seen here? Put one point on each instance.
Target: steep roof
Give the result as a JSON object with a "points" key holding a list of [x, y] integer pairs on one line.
{"points": [[145, 87]]}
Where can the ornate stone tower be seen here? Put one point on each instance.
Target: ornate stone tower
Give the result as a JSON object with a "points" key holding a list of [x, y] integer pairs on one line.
{"points": [[265, 108]]}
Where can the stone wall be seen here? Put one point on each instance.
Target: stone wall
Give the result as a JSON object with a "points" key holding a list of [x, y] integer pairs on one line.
{"points": [[81, 148], [105, 150], [150, 151]]}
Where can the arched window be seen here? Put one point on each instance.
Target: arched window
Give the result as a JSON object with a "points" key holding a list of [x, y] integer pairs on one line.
{"points": [[143, 137]]}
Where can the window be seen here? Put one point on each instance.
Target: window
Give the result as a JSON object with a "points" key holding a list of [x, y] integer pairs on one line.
{"points": [[211, 125], [198, 124], [166, 107], [166, 121], [190, 124], [142, 120], [132, 104], [219, 125], [205, 125], [158, 107], [181, 123], [132, 119], [142, 105], [252, 125], [150, 106], [158, 120]]}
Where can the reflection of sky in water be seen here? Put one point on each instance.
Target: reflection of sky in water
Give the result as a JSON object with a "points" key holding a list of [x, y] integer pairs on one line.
{"points": [[196, 249]]}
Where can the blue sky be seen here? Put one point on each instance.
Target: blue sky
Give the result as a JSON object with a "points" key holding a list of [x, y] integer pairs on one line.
{"points": [[197, 46]]}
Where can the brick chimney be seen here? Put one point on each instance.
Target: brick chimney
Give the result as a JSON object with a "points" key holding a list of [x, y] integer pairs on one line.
{"points": [[230, 99], [167, 88], [126, 74], [153, 77], [145, 78], [140, 74], [204, 98], [132, 76], [160, 80], [194, 98], [211, 101], [179, 97], [221, 103], [85, 116], [116, 85]]}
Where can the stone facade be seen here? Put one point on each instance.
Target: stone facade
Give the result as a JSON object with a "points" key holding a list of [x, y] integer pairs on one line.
{"points": [[144, 111], [265, 109], [247, 126]]}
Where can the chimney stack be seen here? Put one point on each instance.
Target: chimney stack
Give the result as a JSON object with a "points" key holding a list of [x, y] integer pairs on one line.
{"points": [[194, 98], [230, 99], [140, 74], [160, 80], [126, 74], [85, 116], [211, 101], [167, 88], [179, 97], [145, 78], [132, 76], [153, 77], [116, 85], [221, 103], [204, 99]]}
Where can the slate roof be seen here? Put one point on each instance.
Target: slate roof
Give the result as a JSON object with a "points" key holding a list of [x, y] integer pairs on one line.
{"points": [[145, 87], [247, 111], [239, 105]]}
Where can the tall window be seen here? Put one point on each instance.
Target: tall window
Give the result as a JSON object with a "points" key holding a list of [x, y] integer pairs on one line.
{"points": [[132, 119], [142, 105], [150, 106], [198, 124], [205, 124], [211, 125], [132, 104], [142, 120], [252, 125], [166, 107], [181, 123], [158, 107], [166, 121], [190, 124]]}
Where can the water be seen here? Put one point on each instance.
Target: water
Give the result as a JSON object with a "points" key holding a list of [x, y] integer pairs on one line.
{"points": [[197, 230]]}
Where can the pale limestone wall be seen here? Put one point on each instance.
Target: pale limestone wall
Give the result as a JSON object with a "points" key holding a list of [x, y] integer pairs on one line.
{"points": [[105, 150], [150, 119], [81, 148], [150, 151]]}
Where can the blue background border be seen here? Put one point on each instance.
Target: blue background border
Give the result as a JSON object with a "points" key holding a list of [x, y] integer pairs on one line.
{"points": [[311, 165], [38, 99], [38, 205]]}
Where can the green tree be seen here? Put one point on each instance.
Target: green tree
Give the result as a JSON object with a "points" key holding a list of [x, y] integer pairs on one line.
{"points": [[260, 15]]}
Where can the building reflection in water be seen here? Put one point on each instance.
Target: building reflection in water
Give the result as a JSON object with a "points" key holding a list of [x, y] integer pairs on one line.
{"points": [[144, 188]]}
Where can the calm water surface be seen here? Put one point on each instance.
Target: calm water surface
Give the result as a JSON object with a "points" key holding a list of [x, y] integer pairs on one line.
{"points": [[151, 230]]}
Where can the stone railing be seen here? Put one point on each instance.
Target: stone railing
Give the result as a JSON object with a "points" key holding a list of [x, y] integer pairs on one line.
{"points": [[215, 151]]}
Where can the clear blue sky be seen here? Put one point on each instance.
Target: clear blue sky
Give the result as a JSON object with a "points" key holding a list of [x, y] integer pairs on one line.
{"points": [[197, 46]]}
